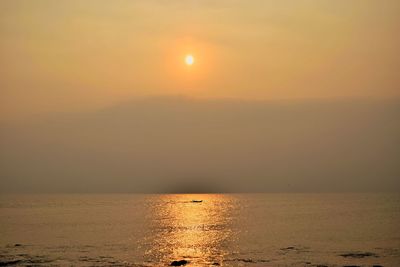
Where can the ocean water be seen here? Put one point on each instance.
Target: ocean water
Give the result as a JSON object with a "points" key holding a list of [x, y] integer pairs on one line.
{"points": [[223, 230]]}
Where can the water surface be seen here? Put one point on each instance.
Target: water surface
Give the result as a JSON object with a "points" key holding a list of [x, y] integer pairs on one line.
{"points": [[224, 229]]}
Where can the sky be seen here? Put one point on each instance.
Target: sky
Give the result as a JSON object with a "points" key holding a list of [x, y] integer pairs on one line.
{"points": [[61, 56], [283, 96], [164, 145]]}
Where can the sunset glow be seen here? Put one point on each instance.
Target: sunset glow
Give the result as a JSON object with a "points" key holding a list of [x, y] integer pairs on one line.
{"points": [[189, 60], [199, 133]]}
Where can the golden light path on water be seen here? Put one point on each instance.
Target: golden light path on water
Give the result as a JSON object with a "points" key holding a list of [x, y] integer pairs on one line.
{"points": [[197, 232]]}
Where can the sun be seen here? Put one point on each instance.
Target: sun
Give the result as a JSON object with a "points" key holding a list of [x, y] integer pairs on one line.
{"points": [[189, 60]]}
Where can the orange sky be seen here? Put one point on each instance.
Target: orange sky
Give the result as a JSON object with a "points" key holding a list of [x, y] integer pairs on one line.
{"points": [[74, 55]]}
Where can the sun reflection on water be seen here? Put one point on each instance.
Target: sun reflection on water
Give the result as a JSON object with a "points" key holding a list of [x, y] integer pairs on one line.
{"points": [[197, 232]]}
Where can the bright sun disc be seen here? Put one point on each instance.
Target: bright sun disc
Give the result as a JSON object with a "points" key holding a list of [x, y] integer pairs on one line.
{"points": [[189, 60]]}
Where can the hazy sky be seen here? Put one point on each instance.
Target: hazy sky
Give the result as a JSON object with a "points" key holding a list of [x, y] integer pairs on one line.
{"points": [[95, 96], [178, 144], [76, 55]]}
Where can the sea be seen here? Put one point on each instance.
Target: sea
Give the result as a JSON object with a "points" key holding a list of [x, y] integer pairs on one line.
{"points": [[319, 229]]}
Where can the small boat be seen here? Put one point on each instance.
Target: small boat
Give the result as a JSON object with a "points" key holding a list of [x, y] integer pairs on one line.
{"points": [[197, 201]]}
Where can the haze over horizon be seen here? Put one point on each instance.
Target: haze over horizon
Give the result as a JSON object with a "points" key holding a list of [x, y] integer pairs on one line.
{"points": [[166, 145]]}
